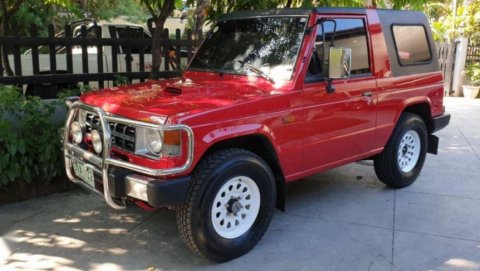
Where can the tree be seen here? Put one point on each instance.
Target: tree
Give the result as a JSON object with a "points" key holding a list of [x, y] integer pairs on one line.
{"points": [[211, 10], [106, 9], [8, 10], [219, 7], [201, 10], [160, 10]]}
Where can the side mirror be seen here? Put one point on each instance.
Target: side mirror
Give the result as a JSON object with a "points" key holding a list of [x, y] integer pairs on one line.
{"points": [[340, 62]]}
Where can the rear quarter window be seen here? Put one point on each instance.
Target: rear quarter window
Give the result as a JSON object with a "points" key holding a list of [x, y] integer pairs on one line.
{"points": [[411, 44]]}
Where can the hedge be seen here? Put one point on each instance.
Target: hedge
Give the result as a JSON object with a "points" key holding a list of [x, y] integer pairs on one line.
{"points": [[30, 141]]}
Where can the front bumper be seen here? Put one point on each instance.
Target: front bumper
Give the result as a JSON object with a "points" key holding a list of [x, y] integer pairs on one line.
{"points": [[156, 192], [120, 179]]}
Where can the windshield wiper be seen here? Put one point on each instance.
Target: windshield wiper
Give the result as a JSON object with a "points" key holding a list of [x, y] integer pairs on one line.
{"points": [[210, 66], [257, 71]]}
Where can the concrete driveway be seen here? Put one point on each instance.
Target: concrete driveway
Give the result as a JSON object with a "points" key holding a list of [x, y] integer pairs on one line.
{"points": [[343, 219]]}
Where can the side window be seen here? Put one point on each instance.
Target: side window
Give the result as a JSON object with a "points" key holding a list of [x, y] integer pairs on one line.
{"points": [[134, 33], [411, 44], [350, 33]]}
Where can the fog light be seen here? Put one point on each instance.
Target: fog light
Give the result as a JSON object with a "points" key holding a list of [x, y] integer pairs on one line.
{"points": [[96, 141], [136, 187], [76, 132]]}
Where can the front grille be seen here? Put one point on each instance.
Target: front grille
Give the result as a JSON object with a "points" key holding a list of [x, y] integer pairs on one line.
{"points": [[123, 136], [92, 121]]}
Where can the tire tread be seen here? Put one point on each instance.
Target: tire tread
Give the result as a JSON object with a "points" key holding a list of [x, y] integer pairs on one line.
{"points": [[385, 162], [199, 176]]}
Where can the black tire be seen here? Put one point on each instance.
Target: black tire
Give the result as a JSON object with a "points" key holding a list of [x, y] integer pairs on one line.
{"points": [[387, 165], [194, 220]]}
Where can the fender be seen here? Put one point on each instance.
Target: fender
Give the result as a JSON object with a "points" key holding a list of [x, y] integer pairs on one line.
{"points": [[239, 136], [412, 101], [385, 130], [230, 132]]}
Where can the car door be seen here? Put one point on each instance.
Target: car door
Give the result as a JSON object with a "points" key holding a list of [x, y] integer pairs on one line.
{"points": [[339, 126]]}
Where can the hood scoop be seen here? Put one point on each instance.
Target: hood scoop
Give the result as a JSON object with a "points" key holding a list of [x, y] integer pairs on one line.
{"points": [[173, 90]]}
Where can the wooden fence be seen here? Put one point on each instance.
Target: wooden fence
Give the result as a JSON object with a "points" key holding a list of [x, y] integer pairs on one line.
{"points": [[446, 59], [14, 45], [473, 50]]}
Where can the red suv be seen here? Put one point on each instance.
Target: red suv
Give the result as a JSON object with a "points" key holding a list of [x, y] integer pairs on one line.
{"points": [[269, 98]]}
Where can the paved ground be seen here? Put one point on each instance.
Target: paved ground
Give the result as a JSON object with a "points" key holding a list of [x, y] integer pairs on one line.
{"points": [[343, 219]]}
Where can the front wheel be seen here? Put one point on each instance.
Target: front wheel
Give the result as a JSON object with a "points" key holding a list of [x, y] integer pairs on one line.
{"points": [[229, 205], [402, 159]]}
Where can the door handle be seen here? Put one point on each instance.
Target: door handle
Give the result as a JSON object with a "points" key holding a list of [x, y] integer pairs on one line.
{"points": [[367, 93]]}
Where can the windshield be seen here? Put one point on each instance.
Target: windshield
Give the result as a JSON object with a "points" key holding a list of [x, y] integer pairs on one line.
{"points": [[266, 46]]}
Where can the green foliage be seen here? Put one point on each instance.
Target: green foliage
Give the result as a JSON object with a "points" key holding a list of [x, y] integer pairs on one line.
{"points": [[155, 7], [28, 15], [472, 71], [107, 9], [121, 80], [219, 7], [471, 20], [447, 24], [29, 140], [18, 15], [61, 12], [66, 93]]}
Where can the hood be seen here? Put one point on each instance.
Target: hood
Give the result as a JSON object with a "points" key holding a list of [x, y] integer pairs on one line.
{"points": [[155, 101]]}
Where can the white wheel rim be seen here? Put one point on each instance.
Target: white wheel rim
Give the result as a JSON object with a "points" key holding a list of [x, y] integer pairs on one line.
{"points": [[235, 207], [408, 151]]}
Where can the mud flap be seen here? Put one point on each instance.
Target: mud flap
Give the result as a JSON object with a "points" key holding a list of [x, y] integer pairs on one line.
{"points": [[433, 144]]}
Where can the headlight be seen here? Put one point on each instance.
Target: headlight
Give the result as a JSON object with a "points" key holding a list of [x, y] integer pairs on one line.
{"points": [[154, 141], [96, 141], [155, 144], [76, 132]]}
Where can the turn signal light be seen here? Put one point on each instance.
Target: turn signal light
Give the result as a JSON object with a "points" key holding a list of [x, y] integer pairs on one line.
{"points": [[172, 137]]}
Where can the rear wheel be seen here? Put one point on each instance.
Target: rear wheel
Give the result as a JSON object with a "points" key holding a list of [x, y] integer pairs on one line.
{"points": [[402, 159], [229, 205]]}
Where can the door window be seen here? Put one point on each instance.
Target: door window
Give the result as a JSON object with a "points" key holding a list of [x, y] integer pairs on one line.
{"points": [[348, 33]]}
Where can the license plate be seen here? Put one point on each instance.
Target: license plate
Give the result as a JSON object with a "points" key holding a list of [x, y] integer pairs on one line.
{"points": [[84, 172]]}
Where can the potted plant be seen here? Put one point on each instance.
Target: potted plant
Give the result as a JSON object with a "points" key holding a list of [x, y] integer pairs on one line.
{"points": [[472, 73]]}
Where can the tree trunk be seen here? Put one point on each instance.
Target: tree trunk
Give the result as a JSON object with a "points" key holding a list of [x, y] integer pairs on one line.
{"points": [[200, 14], [1, 58], [370, 3], [3, 50], [156, 51], [289, 4], [4, 30], [159, 20]]}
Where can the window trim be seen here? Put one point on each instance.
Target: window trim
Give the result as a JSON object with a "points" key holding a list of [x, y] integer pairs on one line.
{"points": [[396, 47]]}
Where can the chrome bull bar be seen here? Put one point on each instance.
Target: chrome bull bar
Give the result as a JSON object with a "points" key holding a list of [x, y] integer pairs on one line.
{"points": [[101, 164]]}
